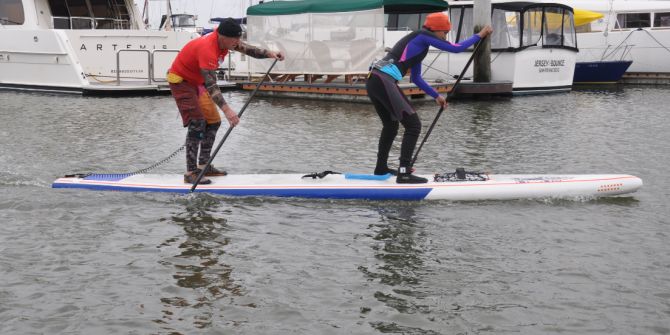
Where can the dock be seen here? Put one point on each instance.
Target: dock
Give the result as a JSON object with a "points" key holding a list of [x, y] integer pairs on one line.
{"points": [[646, 78], [356, 92]]}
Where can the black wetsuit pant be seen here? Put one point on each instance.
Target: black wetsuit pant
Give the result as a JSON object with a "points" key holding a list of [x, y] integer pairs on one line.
{"points": [[383, 97]]}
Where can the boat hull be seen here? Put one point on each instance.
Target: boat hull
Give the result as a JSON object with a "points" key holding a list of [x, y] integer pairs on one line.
{"points": [[497, 187], [600, 72]]}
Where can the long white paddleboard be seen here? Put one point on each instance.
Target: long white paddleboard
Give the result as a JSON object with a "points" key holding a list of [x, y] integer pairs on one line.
{"points": [[348, 186]]}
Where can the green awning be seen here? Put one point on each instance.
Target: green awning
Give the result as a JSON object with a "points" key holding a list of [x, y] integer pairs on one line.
{"points": [[334, 6]]}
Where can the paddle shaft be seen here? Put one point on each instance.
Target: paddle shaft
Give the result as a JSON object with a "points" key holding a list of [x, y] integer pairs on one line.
{"points": [[230, 129], [451, 93]]}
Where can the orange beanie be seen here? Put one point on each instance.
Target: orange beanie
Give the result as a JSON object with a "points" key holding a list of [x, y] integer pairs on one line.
{"points": [[437, 22]]}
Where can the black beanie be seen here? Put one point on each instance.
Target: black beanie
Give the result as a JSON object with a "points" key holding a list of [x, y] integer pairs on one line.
{"points": [[228, 27]]}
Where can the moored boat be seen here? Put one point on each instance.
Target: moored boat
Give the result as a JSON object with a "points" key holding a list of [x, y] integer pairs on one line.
{"points": [[630, 30], [90, 47], [600, 72], [533, 45]]}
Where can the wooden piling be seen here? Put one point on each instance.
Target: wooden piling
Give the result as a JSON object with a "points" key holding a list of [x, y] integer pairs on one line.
{"points": [[482, 66]]}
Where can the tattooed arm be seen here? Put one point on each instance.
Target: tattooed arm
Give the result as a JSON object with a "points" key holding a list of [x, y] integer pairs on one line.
{"points": [[257, 52], [215, 93]]}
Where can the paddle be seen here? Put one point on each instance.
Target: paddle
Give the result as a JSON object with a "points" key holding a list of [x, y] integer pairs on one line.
{"points": [[230, 129], [449, 95]]}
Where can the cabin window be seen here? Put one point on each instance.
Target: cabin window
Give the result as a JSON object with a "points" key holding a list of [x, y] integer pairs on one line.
{"points": [[553, 27], [633, 20], [569, 34], [405, 22], [532, 32], [460, 31], [584, 28], [88, 14], [662, 20], [506, 29], [11, 12]]}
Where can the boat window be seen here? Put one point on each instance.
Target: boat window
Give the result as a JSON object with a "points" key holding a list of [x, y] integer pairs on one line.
{"points": [[408, 22], [405, 22], [633, 20], [662, 20], [532, 31], [584, 28], [569, 33], [89, 14], [460, 31], [11, 12], [183, 21], [553, 27], [506, 29]]}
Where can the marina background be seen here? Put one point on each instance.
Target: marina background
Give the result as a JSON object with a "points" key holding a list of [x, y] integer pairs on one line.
{"points": [[74, 262]]}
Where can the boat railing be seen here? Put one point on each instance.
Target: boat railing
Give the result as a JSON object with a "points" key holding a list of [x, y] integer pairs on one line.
{"points": [[118, 64], [152, 62], [151, 57]]}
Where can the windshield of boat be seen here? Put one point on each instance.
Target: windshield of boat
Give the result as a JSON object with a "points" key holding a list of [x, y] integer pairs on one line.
{"points": [[518, 28], [11, 12], [183, 20]]}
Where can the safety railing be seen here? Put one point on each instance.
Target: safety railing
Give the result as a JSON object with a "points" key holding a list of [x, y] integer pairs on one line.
{"points": [[151, 62], [118, 64]]}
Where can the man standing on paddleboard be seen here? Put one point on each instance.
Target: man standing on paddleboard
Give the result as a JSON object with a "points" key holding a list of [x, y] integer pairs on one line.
{"points": [[391, 104], [192, 75]]}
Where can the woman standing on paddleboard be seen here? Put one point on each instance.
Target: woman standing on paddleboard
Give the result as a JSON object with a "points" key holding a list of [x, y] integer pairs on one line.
{"points": [[391, 104]]}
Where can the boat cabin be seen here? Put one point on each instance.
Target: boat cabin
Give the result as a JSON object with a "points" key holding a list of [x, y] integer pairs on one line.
{"points": [[83, 46], [68, 14], [516, 25]]}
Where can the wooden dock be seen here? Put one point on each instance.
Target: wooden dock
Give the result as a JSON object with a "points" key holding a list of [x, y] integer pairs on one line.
{"points": [[343, 91]]}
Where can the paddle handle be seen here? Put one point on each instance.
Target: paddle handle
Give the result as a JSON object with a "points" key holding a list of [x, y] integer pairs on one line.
{"points": [[451, 93], [230, 129]]}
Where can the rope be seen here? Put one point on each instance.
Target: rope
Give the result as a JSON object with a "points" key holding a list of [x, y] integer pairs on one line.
{"points": [[657, 41], [618, 46], [106, 176]]}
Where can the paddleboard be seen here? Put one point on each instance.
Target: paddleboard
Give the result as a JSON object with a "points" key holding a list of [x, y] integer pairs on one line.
{"points": [[473, 186]]}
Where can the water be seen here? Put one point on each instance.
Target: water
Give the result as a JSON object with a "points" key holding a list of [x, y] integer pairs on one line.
{"points": [[85, 262]]}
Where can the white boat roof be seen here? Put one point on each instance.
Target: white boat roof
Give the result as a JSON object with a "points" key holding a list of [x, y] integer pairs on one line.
{"points": [[620, 6]]}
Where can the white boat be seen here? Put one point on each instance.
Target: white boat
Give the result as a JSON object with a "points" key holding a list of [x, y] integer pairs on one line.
{"points": [[537, 54], [90, 47], [632, 30], [535, 57], [450, 186]]}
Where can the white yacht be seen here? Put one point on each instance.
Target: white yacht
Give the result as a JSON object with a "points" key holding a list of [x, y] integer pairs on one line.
{"points": [[533, 44], [635, 30], [83, 46]]}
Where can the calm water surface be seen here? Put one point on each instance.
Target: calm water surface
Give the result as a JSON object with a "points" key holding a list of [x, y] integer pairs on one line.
{"points": [[85, 262]]}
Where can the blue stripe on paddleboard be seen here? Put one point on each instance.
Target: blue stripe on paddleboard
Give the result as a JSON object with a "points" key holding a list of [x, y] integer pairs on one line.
{"points": [[367, 176], [321, 193], [108, 176]]}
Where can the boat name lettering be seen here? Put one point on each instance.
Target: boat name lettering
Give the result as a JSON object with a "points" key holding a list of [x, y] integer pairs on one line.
{"points": [[100, 47], [129, 71], [549, 65], [549, 62]]}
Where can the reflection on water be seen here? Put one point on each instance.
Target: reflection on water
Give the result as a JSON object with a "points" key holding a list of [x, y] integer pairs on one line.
{"points": [[199, 266], [400, 251]]}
